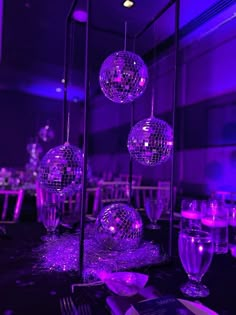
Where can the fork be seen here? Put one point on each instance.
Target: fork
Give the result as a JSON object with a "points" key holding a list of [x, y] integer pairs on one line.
{"points": [[68, 307]]}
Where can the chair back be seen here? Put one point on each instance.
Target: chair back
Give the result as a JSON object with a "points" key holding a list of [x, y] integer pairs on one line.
{"points": [[115, 191], [12, 204]]}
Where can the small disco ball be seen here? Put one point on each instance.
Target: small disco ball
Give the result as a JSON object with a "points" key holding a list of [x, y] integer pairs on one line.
{"points": [[46, 133], [123, 77], [150, 141], [119, 227], [34, 149], [60, 170]]}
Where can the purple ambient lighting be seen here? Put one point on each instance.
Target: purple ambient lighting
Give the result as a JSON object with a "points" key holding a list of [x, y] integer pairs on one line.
{"points": [[80, 16]]}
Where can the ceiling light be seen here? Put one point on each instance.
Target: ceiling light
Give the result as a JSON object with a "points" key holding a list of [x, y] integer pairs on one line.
{"points": [[128, 3], [80, 16]]}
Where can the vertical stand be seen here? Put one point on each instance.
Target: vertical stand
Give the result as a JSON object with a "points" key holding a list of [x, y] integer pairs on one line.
{"points": [[67, 55], [85, 147], [175, 100]]}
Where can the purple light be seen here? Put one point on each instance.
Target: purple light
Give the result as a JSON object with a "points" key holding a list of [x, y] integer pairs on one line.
{"points": [[58, 90], [80, 16]]}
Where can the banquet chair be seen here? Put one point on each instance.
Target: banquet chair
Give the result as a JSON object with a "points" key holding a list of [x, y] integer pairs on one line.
{"points": [[224, 196], [68, 204], [12, 204], [114, 191]]}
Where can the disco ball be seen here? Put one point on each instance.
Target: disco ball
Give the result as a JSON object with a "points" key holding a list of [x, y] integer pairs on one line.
{"points": [[150, 141], [60, 170], [119, 227], [46, 133], [123, 77], [34, 149]]}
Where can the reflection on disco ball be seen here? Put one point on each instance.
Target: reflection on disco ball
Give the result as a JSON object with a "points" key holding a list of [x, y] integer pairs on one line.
{"points": [[150, 141], [60, 170], [34, 149], [123, 77], [119, 227], [46, 133]]}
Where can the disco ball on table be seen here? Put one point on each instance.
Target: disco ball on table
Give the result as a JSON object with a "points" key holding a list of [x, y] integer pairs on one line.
{"points": [[150, 141], [119, 227], [46, 133], [123, 77], [60, 170]]}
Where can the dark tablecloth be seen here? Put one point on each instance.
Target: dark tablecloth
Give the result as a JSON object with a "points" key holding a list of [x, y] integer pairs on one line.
{"points": [[25, 291]]}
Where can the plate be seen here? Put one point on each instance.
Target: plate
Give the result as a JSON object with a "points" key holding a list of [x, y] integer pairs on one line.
{"points": [[197, 308]]}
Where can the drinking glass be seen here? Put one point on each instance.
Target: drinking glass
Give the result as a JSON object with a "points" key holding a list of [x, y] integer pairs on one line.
{"points": [[154, 208], [191, 214], [215, 221], [232, 227], [196, 252], [50, 218]]}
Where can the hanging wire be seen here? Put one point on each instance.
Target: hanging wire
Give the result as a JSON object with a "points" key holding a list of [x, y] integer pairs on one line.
{"points": [[125, 39], [152, 102], [68, 126]]}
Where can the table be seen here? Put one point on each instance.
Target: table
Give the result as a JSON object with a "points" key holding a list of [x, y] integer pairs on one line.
{"points": [[24, 291]]}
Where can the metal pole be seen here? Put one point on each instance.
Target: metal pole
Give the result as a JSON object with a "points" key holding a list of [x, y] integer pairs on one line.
{"points": [[175, 101], [131, 160], [67, 55], [85, 147]]}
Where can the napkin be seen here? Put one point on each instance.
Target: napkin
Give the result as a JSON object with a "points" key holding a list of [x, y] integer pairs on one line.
{"points": [[124, 283], [119, 305]]}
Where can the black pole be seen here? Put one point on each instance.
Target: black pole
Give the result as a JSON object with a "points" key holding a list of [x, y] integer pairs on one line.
{"points": [[175, 101], [67, 55], [85, 147], [131, 160]]}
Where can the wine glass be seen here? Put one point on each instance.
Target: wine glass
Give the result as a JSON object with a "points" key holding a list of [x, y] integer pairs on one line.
{"points": [[154, 208], [196, 251], [50, 218]]}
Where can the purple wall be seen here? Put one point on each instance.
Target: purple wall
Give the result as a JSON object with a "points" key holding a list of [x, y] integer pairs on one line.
{"points": [[22, 115]]}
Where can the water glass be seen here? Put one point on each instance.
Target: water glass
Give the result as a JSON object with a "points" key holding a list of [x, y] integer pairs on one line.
{"points": [[215, 221], [232, 227], [191, 214], [154, 208], [195, 252], [50, 218]]}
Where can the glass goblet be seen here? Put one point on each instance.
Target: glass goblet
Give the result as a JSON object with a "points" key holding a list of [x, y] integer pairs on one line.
{"points": [[50, 218], [154, 208], [196, 251]]}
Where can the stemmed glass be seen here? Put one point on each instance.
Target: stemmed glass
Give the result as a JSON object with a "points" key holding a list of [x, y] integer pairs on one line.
{"points": [[50, 218], [154, 208], [196, 251]]}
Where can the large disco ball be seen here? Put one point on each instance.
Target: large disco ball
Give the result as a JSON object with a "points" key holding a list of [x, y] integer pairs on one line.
{"points": [[46, 133], [150, 141], [123, 77], [119, 227], [60, 170]]}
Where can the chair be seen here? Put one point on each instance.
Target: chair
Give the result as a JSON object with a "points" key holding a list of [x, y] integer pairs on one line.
{"points": [[12, 203], [224, 196], [136, 179], [114, 191], [68, 204], [162, 193]]}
